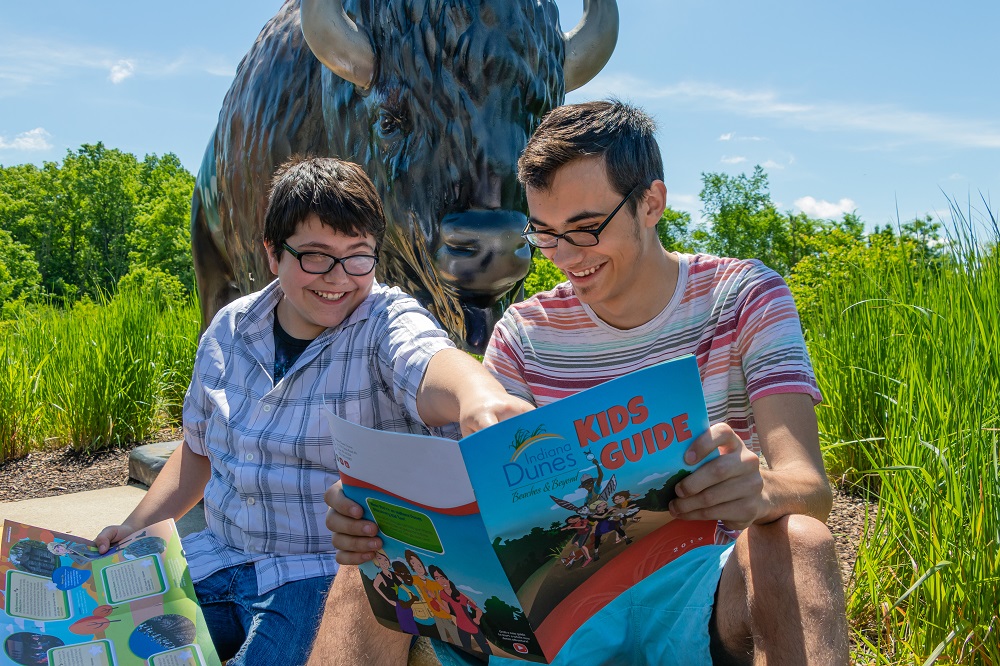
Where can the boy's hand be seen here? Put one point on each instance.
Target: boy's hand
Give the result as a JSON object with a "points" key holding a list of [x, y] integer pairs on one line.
{"points": [[728, 488], [111, 534], [490, 410], [353, 537]]}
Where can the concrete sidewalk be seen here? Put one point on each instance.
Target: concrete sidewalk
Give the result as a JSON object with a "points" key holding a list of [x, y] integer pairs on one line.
{"points": [[87, 513]]}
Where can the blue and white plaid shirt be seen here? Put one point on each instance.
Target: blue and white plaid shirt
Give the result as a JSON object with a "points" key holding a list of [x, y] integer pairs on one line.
{"points": [[269, 445]]}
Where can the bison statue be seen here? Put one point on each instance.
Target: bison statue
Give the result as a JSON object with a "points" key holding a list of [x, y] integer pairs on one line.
{"points": [[435, 99]]}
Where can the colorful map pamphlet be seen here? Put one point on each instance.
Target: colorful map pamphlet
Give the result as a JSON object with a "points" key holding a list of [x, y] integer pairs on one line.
{"points": [[507, 541], [66, 605]]}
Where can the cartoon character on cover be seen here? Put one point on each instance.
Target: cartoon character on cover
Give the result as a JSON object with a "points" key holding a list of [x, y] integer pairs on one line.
{"points": [[583, 528], [385, 580], [430, 593], [605, 521], [466, 612], [406, 596], [624, 509], [592, 485]]}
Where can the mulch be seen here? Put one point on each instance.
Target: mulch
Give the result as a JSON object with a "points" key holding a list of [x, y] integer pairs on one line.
{"points": [[61, 471]]}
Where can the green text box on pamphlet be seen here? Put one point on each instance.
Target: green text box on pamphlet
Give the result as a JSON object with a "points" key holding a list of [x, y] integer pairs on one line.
{"points": [[188, 655], [95, 653], [406, 525], [35, 598], [134, 579]]}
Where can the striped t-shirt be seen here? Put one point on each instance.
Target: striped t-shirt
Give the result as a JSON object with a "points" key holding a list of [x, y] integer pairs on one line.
{"points": [[736, 316]]}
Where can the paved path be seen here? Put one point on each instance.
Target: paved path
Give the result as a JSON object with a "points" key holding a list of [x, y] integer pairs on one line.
{"points": [[85, 514]]}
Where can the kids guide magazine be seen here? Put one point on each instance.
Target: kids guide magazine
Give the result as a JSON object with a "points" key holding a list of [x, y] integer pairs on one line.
{"points": [[507, 541]]}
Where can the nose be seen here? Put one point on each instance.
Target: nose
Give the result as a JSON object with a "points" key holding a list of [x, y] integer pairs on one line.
{"points": [[481, 254]]}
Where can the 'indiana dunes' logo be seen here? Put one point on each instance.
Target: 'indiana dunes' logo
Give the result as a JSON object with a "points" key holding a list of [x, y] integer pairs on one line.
{"points": [[524, 438]]}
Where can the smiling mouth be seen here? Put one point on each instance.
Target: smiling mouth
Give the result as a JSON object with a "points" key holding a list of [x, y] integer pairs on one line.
{"points": [[329, 295], [585, 273]]}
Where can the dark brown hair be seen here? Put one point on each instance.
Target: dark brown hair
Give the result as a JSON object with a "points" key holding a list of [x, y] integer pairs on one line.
{"points": [[339, 193], [620, 134]]}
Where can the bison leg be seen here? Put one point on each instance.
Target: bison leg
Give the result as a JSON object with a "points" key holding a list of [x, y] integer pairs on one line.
{"points": [[213, 274]]}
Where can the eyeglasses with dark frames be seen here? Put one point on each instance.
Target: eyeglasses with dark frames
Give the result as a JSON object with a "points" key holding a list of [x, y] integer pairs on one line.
{"points": [[320, 263], [578, 237]]}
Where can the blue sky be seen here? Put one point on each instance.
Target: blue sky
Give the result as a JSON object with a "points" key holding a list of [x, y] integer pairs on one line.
{"points": [[876, 107]]}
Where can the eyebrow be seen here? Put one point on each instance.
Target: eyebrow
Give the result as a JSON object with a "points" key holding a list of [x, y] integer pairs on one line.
{"points": [[326, 248], [579, 217]]}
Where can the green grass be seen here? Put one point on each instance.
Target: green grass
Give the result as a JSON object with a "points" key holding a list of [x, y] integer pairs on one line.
{"points": [[95, 375], [908, 358]]}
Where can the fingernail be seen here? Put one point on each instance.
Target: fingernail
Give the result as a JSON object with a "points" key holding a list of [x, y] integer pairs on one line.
{"points": [[367, 556], [689, 457], [372, 545], [370, 530]]}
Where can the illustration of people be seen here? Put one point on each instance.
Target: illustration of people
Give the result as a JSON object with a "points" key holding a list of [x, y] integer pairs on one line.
{"points": [[430, 592], [406, 596], [624, 509], [583, 528], [466, 612], [385, 580], [604, 522], [590, 484], [80, 553]]}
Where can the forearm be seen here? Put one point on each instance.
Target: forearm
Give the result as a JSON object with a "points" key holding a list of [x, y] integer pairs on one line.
{"points": [[454, 378], [177, 488], [797, 490]]}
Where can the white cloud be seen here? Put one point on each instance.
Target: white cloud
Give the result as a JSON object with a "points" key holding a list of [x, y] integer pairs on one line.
{"points": [[121, 70], [956, 176], [822, 116], [471, 590], [30, 61], [726, 137], [771, 164], [824, 209], [652, 477], [36, 139], [735, 159]]}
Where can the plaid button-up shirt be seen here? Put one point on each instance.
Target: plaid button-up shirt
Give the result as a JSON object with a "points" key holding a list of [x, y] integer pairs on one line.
{"points": [[269, 444]]}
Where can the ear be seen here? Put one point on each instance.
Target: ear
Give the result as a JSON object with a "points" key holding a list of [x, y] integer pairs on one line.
{"points": [[653, 204], [272, 260]]}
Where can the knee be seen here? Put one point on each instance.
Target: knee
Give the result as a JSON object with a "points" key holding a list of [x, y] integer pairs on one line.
{"points": [[799, 541]]}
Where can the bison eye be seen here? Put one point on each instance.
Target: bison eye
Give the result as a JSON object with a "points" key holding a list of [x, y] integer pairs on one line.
{"points": [[390, 126]]}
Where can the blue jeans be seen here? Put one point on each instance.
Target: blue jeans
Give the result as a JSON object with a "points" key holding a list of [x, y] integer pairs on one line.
{"points": [[251, 629]]}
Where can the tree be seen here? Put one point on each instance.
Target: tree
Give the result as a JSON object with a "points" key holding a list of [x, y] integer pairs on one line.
{"points": [[161, 236]]}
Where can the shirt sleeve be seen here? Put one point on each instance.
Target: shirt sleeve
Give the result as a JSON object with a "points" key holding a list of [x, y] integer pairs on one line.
{"points": [[196, 411], [769, 338], [410, 339], [504, 357]]}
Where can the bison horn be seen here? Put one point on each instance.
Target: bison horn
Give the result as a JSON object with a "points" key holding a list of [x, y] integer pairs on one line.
{"points": [[590, 44], [337, 42]]}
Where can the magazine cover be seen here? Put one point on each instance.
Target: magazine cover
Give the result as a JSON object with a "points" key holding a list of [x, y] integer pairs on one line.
{"points": [[574, 495], [516, 535], [66, 605]]}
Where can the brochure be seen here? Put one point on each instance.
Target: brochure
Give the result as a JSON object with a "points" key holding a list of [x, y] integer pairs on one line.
{"points": [[64, 604], [507, 541]]}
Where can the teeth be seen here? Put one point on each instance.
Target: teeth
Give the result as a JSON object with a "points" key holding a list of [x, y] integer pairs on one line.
{"points": [[328, 296], [584, 273]]}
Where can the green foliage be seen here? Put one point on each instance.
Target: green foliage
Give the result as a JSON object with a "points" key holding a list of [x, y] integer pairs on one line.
{"points": [[164, 289], [904, 339], [96, 374], [543, 275], [88, 219], [674, 230]]}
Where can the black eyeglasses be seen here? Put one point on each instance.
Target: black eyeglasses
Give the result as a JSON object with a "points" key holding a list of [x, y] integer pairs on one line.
{"points": [[578, 237], [319, 263]]}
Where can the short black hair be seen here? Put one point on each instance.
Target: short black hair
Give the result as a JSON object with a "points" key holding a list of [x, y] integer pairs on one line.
{"points": [[624, 136], [339, 193]]}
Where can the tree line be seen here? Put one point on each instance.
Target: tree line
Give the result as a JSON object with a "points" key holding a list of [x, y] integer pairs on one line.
{"points": [[75, 229]]}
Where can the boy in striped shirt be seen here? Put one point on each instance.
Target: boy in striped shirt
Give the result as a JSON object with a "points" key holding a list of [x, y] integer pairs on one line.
{"points": [[594, 182]]}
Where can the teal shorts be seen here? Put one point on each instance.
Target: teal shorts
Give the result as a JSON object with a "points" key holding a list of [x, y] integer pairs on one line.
{"points": [[662, 620]]}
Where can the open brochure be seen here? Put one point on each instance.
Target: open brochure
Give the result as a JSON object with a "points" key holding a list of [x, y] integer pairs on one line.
{"points": [[66, 605], [507, 541]]}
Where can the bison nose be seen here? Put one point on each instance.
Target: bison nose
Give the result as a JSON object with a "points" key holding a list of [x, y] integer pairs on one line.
{"points": [[481, 255]]}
